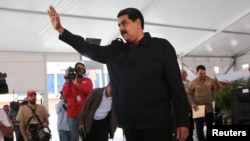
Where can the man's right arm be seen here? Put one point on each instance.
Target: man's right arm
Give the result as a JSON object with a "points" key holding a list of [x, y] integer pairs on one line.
{"points": [[66, 90], [190, 92], [22, 128], [23, 131]]}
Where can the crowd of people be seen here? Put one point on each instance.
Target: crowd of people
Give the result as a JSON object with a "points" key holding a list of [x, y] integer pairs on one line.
{"points": [[96, 116], [26, 119]]}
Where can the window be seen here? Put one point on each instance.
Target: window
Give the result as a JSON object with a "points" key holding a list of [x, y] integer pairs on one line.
{"points": [[216, 69], [244, 66]]}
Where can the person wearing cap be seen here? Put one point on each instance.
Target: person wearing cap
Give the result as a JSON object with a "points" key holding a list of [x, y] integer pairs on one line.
{"points": [[75, 91], [31, 114]]}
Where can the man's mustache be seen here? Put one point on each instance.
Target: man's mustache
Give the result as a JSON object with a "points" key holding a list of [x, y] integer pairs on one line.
{"points": [[123, 32]]}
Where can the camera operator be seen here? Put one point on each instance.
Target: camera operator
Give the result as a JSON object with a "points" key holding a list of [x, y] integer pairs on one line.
{"points": [[32, 119], [75, 91]]}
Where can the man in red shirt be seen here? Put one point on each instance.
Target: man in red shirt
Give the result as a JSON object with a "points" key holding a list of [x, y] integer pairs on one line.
{"points": [[75, 91]]}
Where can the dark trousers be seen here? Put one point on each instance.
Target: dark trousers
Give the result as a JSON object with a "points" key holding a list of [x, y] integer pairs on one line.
{"points": [[18, 134], [99, 130], [199, 123], [191, 128], [155, 134]]}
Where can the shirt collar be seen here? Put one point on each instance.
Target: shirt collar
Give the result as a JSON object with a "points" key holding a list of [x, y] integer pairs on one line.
{"points": [[143, 42]]}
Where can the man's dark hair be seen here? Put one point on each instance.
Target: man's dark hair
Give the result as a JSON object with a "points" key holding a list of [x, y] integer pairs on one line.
{"points": [[200, 67], [79, 63], [133, 14]]}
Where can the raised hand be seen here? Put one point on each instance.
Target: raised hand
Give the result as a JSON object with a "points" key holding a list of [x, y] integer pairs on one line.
{"points": [[55, 20]]}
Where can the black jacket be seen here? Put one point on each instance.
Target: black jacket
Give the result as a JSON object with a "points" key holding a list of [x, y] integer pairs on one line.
{"points": [[144, 78]]}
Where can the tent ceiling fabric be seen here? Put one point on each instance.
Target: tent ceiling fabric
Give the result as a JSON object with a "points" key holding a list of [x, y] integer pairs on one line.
{"points": [[219, 28]]}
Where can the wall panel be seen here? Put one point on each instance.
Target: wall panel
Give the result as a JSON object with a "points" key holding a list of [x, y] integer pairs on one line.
{"points": [[24, 71]]}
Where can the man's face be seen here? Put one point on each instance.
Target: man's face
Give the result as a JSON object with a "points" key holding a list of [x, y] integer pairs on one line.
{"points": [[6, 109], [32, 99], [108, 91], [81, 68], [128, 28], [201, 74], [183, 74]]}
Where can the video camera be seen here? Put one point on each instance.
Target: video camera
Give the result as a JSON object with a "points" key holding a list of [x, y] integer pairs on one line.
{"points": [[14, 107], [3, 85], [71, 73], [2, 75], [34, 131]]}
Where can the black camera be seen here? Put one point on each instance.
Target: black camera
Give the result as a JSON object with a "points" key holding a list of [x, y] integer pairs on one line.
{"points": [[71, 73], [34, 131], [3, 85], [83, 135], [33, 128], [3, 75], [47, 134], [14, 106]]}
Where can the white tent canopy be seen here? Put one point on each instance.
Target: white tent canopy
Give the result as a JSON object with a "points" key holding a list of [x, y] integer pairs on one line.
{"points": [[210, 32], [213, 33], [217, 28]]}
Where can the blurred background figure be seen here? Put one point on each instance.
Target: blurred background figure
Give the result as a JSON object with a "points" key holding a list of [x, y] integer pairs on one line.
{"points": [[6, 130], [14, 108], [186, 83], [201, 91], [62, 122], [6, 108]]}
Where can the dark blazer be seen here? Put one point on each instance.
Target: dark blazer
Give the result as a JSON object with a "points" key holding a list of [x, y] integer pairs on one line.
{"points": [[87, 114], [144, 79]]}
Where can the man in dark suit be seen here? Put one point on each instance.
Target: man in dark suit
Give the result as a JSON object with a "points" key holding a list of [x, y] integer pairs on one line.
{"points": [[144, 75]]}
